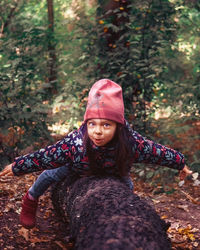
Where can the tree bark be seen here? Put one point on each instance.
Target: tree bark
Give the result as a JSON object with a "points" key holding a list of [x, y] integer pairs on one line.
{"points": [[52, 71], [5, 23], [104, 214]]}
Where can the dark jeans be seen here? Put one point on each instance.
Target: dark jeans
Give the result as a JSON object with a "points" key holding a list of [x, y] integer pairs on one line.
{"points": [[48, 177]]}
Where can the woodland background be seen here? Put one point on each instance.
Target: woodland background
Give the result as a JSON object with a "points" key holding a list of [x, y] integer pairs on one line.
{"points": [[51, 52]]}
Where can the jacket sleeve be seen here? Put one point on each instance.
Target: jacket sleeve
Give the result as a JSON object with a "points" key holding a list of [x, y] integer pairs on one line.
{"points": [[148, 151], [47, 158]]}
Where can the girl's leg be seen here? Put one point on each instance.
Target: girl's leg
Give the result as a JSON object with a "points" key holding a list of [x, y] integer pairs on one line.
{"points": [[128, 181], [30, 200], [46, 178]]}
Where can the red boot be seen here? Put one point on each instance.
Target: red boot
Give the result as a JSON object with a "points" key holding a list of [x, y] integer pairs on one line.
{"points": [[28, 213]]}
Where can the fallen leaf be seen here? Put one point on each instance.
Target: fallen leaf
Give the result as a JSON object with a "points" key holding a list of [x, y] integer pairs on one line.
{"points": [[61, 245], [187, 232], [9, 207], [155, 201], [175, 225], [195, 176], [24, 233], [38, 240], [181, 183], [195, 244], [196, 183], [184, 207]]}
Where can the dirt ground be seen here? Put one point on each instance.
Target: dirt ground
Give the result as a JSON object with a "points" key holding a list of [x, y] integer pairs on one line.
{"points": [[181, 209]]}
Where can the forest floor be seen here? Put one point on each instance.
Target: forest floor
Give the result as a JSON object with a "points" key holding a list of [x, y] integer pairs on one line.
{"points": [[181, 209]]}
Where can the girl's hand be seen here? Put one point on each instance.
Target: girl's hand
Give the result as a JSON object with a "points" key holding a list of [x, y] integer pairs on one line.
{"points": [[184, 173], [7, 171]]}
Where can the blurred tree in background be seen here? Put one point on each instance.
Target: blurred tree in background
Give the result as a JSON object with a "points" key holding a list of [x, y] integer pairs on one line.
{"points": [[51, 52], [130, 36], [22, 76]]}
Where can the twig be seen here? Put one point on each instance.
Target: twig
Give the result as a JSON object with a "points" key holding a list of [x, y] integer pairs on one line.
{"points": [[190, 197]]}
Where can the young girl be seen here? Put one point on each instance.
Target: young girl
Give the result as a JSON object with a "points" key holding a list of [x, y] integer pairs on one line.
{"points": [[105, 144]]}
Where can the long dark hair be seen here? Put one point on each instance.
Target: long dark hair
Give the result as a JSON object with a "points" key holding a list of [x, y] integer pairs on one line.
{"points": [[122, 152]]}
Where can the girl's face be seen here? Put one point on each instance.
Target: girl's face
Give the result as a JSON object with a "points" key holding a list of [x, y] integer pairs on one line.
{"points": [[101, 131]]}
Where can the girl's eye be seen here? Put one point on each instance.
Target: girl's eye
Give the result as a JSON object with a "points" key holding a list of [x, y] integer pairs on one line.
{"points": [[106, 125], [91, 124]]}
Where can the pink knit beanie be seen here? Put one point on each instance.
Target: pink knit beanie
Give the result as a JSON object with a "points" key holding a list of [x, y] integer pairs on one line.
{"points": [[105, 101]]}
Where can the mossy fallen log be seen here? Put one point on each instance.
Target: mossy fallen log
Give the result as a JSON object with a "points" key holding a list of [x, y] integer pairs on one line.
{"points": [[103, 213]]}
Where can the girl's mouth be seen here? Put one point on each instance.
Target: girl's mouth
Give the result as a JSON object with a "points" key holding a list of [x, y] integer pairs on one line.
{"points": [[97, 141]]}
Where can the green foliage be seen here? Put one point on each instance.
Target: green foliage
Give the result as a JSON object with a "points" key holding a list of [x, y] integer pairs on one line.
{"points": [[159, 178], [23, 115], [179, 81], [124, 46], [150, 48], [178, 86]]}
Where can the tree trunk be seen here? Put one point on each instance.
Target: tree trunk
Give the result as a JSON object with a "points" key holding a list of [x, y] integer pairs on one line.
{"points": [[104, 214], [52, 72], [5, 23]]}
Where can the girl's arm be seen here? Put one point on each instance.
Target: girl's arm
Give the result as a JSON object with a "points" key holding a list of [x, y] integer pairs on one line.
{"points": [[148, 151], [50, 157]]}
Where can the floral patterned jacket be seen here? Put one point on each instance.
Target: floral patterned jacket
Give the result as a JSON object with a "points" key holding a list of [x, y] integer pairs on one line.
{"points": [[70, 151]]}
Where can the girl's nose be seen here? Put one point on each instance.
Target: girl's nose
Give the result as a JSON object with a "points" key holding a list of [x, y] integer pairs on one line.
{"points": [[98, 130]]}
